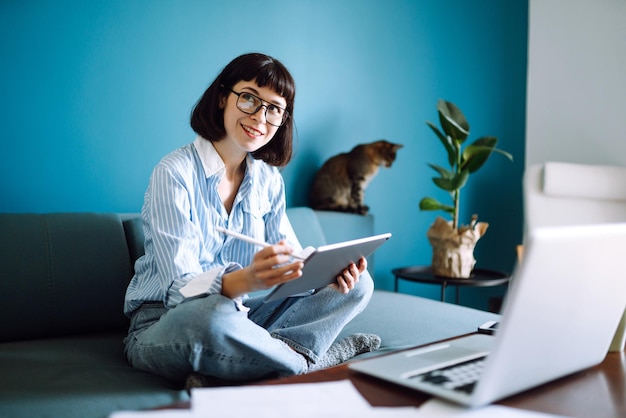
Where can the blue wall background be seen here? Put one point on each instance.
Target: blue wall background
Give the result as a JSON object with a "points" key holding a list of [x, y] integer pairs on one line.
{"points": [[95, 93]]}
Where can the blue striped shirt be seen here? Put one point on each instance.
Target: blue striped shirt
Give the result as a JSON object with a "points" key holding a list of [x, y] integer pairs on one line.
{"points": [[181, 208]]}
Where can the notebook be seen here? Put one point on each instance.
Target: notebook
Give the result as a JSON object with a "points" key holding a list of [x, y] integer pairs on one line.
{"points": [[323, 264], [562, 309]]}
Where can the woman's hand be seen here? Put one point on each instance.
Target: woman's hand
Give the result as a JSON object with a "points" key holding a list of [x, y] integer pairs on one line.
{"points": [[270, 266], [349, 277]]}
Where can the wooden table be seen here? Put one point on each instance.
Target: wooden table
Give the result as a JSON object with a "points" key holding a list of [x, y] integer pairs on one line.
{"points": [[598, 392]]}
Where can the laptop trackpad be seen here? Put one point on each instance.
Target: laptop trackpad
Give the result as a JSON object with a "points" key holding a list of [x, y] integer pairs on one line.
{"points": [[407, 364], [440, 355]]}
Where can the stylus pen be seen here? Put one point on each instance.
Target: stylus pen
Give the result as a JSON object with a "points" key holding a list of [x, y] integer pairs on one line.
{"points": [[248, 239]]}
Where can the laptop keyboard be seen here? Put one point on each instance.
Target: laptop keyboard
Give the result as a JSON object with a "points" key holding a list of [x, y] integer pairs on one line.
{"points": [[461, 377]]}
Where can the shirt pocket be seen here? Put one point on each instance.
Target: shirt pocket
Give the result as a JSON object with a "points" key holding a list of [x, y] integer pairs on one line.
{"points": [[254, 218]]}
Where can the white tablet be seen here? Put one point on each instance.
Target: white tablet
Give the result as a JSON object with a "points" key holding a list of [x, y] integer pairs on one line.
{"points": [[322, 267]]}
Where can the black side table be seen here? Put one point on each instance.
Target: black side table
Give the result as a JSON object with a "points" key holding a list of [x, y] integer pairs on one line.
{"points": [[423, 274]]}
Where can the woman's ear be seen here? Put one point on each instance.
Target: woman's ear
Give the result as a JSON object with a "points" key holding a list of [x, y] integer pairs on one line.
{"points": [[222, 102]]}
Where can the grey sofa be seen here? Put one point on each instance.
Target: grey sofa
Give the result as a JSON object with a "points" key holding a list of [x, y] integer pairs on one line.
{"points": [[63, 278]]}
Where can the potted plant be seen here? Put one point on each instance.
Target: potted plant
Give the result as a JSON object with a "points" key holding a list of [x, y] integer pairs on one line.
{"points": [[453, 245]]}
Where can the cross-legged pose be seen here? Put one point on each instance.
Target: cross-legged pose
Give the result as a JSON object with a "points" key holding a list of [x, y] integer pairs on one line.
{"points": [[189, 304]]}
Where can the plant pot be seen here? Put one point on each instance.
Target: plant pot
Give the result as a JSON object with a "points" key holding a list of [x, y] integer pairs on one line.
{"points": [[453, 250]]}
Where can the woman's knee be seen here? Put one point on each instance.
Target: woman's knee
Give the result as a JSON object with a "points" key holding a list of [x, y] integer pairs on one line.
{"points": [[362, 291], [365, 287], [205, 317]]}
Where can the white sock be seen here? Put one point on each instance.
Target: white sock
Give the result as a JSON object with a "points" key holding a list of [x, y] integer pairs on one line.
{"points": [[347, 348]]}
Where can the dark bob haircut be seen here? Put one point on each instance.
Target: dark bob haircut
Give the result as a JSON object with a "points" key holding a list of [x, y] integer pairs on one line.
{"points": [[207, 118]]}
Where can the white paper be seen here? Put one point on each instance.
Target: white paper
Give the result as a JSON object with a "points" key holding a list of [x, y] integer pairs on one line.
{"points": [[200, 284], [301, 400], [165, 413], [438, 408], [313, 400]]}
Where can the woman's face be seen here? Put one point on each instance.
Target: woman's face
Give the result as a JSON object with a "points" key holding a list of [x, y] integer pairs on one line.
{"points": [[249, 132]]}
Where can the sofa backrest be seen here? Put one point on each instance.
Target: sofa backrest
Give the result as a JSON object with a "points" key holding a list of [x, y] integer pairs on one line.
{"points": [[339, 226], [306, 226], [67, 273], [312, 227], [318, 227], [62, 273], [133, 228]]}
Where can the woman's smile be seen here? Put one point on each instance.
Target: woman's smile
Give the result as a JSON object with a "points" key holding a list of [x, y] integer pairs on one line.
{"points": [[252, 132]]}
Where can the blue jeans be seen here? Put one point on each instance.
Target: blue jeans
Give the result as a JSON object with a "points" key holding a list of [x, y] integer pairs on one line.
{"points": [[209, 335]]}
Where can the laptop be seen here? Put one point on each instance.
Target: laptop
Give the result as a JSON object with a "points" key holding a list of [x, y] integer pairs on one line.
{"points": [[562, 309]]}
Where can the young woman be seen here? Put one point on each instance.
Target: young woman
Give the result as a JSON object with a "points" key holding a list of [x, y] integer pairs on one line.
{"points": [[188, 301]]}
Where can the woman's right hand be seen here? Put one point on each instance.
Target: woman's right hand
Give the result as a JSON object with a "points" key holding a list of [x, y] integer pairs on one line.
{"points": [[270, 266]]}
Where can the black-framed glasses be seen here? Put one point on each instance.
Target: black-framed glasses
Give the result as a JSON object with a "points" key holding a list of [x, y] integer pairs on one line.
{"points": [[250, 104]]}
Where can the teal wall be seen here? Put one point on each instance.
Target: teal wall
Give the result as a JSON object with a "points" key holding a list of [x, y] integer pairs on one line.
{"points": [[94, 93]]}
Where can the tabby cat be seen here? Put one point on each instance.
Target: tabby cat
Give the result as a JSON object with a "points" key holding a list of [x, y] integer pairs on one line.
{"points": [[340, 183]]}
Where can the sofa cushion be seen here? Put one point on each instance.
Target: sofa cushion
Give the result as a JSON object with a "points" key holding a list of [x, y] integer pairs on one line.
{"points": [[77, 376], [404, 321], [62, 273]]}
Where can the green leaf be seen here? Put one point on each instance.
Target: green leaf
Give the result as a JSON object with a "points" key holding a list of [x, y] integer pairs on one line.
{"points": [[445, 184], [443, 172], [477, 153], [460, 179], [453, 183], [428, 203], [447, 143], [506, 154], [452, 121]]}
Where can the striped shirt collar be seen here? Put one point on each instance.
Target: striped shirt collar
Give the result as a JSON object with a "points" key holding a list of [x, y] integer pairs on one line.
{"points": [[211, 161]]}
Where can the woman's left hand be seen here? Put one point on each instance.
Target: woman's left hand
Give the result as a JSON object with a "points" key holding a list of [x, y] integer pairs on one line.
{"points": [[349, 277]]}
